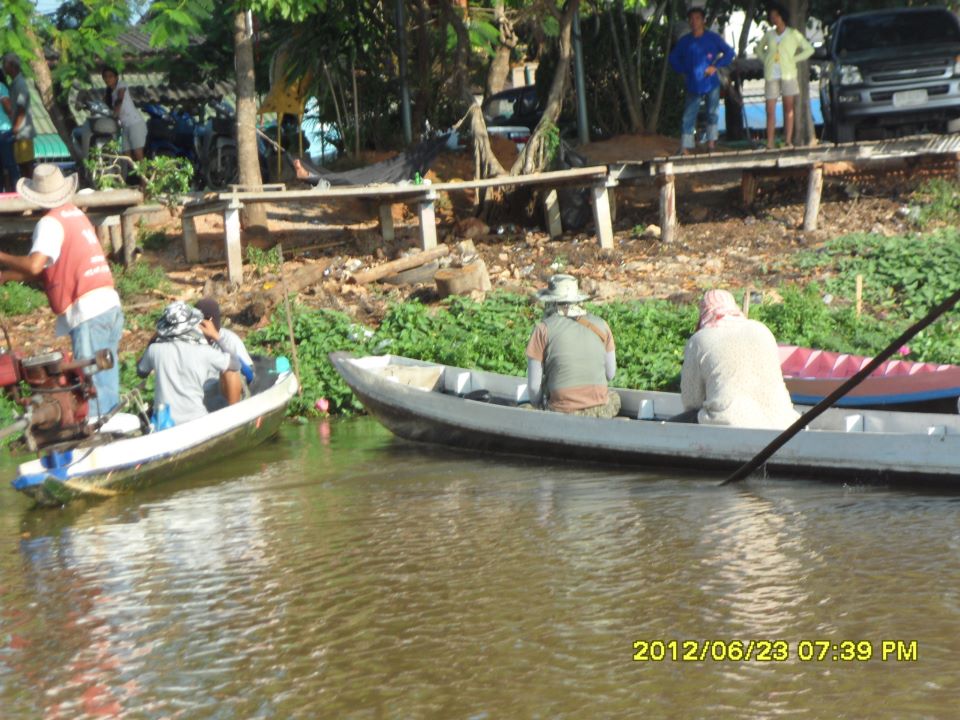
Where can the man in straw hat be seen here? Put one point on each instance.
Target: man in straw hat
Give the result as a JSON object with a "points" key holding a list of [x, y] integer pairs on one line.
{"points": [[572, 353], [67, 260], [731, 370]]}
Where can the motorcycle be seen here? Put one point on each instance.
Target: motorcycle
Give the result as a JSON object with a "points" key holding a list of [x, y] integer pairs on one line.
{"points": [[171, 133], [99, 129], [217, 147]]}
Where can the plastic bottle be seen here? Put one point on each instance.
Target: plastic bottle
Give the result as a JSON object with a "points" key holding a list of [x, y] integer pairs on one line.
{"points": [[161, 417]]}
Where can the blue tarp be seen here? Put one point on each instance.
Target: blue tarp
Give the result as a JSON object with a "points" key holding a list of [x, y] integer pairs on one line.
{"points": [[756, 114]]}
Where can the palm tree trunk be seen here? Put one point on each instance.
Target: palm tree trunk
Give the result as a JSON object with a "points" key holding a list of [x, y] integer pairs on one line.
{"points": [[254, 216]]}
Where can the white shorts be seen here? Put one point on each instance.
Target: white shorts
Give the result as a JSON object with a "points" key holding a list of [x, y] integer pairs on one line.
{"points": [[772, 89], [134, 136]]}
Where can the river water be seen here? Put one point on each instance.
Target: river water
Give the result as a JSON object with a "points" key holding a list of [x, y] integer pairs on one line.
{"points": [[339, 573]]}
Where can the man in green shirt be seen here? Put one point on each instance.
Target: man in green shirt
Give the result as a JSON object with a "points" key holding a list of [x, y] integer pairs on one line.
{"points": [[571, 355]]}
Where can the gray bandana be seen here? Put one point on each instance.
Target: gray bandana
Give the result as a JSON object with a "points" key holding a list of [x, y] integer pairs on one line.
{"points": [[180, 322]]}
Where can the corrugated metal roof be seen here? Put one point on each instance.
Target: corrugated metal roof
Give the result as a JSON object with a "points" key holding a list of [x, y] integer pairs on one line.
{"points": [[153, 87]]}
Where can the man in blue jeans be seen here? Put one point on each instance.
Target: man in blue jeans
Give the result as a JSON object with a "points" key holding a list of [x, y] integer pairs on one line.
{"points": [[697, 55], [66, 259]]}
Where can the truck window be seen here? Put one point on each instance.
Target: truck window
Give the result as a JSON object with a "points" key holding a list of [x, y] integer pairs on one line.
{"points": [[896, 30]]}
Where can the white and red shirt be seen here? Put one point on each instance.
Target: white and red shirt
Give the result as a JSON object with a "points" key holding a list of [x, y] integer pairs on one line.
{"points": [[77, 276]]}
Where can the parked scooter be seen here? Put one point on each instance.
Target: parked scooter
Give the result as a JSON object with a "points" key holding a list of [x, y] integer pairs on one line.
{"points": [[171, 133], [219, 160], [99, 128]]}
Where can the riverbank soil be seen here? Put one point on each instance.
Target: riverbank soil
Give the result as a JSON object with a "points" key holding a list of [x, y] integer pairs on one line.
{"points": [[719, 244]]}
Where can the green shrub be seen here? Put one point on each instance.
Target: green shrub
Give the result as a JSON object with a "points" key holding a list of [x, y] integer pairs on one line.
{"points": [[138, 279], [19, 299]]}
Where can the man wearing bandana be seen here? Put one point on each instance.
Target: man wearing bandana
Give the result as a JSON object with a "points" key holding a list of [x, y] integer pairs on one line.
{"points": [[185, 363], [731, 370]]}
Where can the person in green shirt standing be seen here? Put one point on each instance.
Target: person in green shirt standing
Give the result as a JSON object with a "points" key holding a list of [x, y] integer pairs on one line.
{"points": [[780, 49]]}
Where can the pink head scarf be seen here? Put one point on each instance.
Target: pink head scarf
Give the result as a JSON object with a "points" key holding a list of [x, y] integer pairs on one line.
{"points": [[717, 305]]}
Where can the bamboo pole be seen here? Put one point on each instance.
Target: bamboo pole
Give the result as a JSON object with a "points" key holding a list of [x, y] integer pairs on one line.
{"points": [[859, 295], [293, 342]]}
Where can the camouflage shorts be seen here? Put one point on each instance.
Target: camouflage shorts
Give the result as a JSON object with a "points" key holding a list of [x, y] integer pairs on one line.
{"points": [[611, 409]]}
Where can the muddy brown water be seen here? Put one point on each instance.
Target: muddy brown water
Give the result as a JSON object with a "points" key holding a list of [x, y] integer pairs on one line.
{"points": [[338, 572]]}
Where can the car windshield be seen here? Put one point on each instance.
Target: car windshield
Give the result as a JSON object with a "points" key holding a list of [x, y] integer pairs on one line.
{"points": [[885, 31]]}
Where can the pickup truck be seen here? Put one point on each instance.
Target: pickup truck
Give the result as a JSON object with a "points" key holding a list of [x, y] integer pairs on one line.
{"points": [[889, 70]]}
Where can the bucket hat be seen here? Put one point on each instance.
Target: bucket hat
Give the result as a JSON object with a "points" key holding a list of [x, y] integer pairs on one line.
{"points": [[561, 289], [48, 188]]}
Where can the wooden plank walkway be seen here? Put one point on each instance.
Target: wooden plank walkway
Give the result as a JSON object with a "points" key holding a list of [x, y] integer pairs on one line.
{"points": [[422, 197], [754, 164]]}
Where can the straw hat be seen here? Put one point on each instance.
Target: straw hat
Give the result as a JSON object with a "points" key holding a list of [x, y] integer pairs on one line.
{"points": [[48, 188], [562, 289]]}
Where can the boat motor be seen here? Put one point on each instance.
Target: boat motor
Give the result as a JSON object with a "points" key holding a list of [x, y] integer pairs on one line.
{"points": [[57, 409]]}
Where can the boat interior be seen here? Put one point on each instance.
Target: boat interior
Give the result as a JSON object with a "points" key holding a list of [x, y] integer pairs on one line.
{"points": [[644, 405]]}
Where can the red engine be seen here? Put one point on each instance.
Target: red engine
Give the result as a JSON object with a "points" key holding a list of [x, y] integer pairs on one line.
{"points": [[57, 407]]}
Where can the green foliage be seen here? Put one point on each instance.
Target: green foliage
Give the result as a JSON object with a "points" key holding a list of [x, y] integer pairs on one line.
{"points": [[650, 337], [264, 261], [138, 279], [904, 275], [9, 411], [938, 200], [317, 333], [164, 178], [152, 239], [19, 299], [551, 142]]}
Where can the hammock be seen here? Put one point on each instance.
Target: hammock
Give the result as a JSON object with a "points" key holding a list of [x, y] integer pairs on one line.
{"points": [[397, 169]]}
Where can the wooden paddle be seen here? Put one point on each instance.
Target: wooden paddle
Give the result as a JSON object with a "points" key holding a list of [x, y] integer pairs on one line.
{"points": [[846, 387]]}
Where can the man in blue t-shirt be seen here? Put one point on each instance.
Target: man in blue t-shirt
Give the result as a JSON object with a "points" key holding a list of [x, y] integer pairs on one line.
{"points": [[697, 55]]}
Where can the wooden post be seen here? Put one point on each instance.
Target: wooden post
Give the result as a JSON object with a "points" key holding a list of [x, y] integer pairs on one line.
{"points": [[748, 188], [859, 295], [814, 190], [231, 232], [428, 221], [128, 231], [668, 203], [551, 213], [191, 244], [601, 216], [116, 238], [386, 222], [746, 301]]}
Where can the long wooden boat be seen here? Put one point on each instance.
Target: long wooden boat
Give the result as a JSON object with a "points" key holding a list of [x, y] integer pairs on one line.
{"points": [[129, 463], [897, 384], [429, 402]]}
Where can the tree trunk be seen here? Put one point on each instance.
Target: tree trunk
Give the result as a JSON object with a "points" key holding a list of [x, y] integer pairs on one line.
{"points": [[533, 157], [424, 96], [636, 124], [500, 65], [803, 131], [44, 81], [654, 119], [254, 215]]}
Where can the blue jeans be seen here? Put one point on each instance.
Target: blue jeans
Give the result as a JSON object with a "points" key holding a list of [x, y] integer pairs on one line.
{"points": [[690, 110], [97, 333], [7, 162]]}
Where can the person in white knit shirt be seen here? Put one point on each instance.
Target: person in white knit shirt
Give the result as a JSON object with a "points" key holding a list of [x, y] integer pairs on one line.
{"points": [[731, 370]]}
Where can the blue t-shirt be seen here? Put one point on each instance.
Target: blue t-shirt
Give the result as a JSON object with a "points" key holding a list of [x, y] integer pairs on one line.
{"points": [[692, 55], [5, 122]]}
